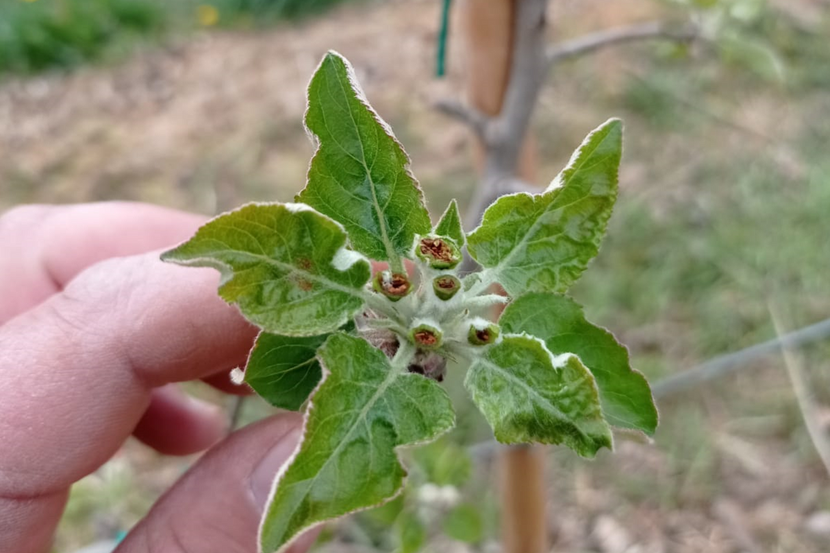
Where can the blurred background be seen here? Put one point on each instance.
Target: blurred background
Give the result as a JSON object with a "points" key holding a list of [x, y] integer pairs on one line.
{"points": [[723, 216]]}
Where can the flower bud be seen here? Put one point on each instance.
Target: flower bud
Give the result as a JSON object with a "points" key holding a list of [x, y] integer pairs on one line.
{"points": [[426, 336], [392, 285], [446, 286], [483, 332], [438, 252]]}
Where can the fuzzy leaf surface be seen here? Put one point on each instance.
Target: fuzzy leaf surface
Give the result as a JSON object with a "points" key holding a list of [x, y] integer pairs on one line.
{"points": [[284, 265], [560, 322], [450, 225], [284, 370], [364, 409], [360, 175], [543, 242], [528, 396]]}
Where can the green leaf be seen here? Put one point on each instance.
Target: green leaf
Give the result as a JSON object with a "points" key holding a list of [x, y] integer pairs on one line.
{"points": [[410, 533], [463, 523], [559, 321], [450, 225], [360, 173], [285, 265], [527, 395], [365, 408], [284, 369], [543, 242]]}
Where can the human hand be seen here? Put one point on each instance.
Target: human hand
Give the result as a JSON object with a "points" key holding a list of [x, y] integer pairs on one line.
{"points": [[94, 332]]}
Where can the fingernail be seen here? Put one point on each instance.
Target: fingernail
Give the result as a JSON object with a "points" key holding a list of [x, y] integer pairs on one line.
{"points": [[262, 478]]}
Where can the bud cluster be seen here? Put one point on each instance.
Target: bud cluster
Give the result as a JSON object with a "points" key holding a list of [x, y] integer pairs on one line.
{"points": [[437, 315]]}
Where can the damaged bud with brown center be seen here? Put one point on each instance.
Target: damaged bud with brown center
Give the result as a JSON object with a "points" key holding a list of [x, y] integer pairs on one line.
{"points": [[438, 252], [446, 286], [482, 332], [392, 285], [426, 336]]}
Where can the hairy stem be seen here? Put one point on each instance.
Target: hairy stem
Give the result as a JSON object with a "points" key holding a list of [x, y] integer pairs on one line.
{"points": [[387, 324], [487, 278], [403, 357], [381, 305], [480, 302]]}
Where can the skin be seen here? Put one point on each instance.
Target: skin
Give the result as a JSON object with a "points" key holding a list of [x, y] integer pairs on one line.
{"points": [[95, 332]]}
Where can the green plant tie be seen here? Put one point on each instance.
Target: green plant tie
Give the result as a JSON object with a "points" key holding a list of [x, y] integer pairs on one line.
{"points": [[441, 57]]}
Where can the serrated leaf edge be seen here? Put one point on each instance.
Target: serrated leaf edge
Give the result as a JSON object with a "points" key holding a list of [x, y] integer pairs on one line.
{"points": [[363, 99], [638, 373], [343, 259], [630, 368], [309, 405], [557, 180], [558, 362], [491, 274]]}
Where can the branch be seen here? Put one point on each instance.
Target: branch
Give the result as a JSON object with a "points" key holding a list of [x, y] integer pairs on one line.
{"points": [[609, 37], [731, 362], [502, 136], [528, 71], [477, 121]]}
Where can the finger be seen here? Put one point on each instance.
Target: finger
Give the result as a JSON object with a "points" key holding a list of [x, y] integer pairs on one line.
{"points": [[177, 424], [217, 505], [79, 369], [43, 247], [19, 523]]}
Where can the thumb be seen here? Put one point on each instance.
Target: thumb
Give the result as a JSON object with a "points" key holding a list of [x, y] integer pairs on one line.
{"points": [[216, 506]]}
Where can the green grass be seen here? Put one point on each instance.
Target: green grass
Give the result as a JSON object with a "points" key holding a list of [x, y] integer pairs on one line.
{"points": [[45, 34], [40, 35], [259, 12], [729, 222], [714, 269]]}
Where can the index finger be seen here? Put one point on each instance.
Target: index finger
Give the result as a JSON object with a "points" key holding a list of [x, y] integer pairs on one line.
{"points": [[43, 247], [78, 371]]}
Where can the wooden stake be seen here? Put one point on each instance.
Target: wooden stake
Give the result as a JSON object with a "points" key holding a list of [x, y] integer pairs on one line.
{"points": [[487, 33], [524, 501], [487, 28]]}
